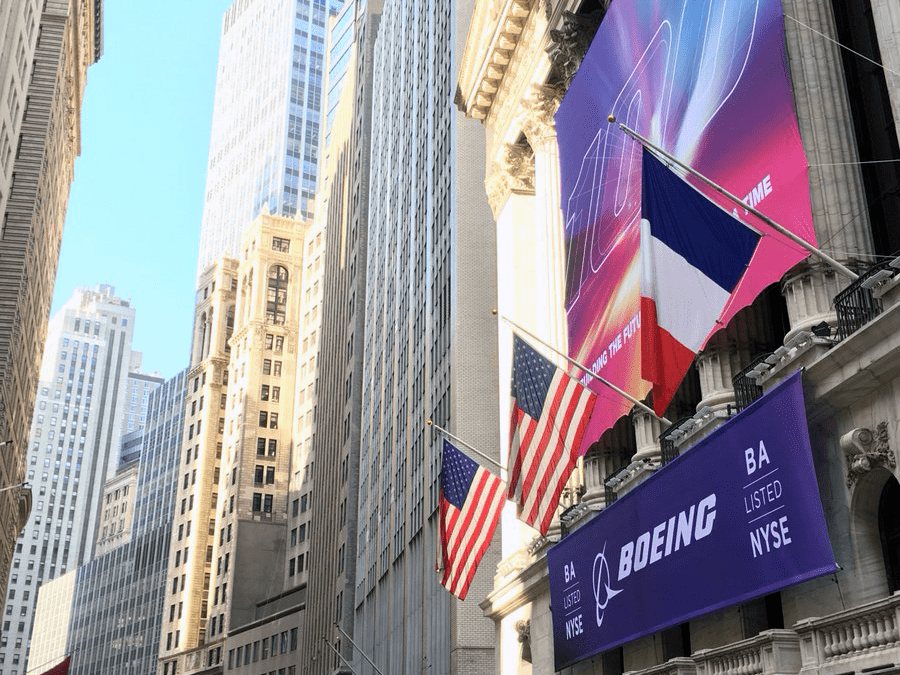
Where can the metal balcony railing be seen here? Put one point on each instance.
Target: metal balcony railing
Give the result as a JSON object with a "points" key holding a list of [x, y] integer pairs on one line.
{"points": [[610, 493], [856, 305], [667, 440], [746, 390]]}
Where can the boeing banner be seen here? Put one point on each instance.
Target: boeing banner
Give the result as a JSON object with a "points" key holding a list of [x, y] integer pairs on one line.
{"points": [[733, 518], [708, 82]]}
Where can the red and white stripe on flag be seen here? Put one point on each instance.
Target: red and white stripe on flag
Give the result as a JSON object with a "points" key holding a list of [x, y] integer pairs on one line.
{"points": [[466, 533], [544, 451]]}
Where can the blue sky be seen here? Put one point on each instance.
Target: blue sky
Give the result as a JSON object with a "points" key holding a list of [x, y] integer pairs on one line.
{"points": [[137, 200]]}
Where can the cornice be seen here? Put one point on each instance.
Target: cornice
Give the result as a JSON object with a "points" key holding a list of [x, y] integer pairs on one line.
{"points": [[496, 29]]}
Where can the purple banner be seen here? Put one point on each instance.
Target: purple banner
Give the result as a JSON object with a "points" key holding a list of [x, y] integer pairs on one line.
{"points": [[735, 517], [707, 81]]}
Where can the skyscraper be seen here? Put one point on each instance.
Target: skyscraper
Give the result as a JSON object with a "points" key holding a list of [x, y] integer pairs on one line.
{"points": [[335, 448], [116, 606], [430, 344], [45, 51], [75, 439], [228, 547], [264, 143]]}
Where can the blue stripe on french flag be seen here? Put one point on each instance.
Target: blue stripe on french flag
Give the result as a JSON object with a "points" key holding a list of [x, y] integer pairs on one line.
{"points": [[709, 239]]}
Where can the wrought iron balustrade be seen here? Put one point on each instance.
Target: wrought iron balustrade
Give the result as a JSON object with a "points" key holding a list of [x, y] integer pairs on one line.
{"points": [[856, 305], [746, 390]]}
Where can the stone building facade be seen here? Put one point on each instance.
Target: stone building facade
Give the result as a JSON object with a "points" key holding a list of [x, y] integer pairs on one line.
{"points": [[46, 47], [518, 61], [229, 538]]}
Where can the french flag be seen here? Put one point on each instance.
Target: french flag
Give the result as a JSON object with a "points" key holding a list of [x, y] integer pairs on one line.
{"points": [[693, 254]]}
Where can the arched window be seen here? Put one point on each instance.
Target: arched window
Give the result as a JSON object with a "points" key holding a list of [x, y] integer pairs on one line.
{"points": [[229, 327], [201, 336], [276, 294]]}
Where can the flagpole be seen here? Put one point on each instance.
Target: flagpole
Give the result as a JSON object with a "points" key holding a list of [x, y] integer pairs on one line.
{"points": [[346, 662], [587, 371], [462, 442], [364, 655], [827, 259]]}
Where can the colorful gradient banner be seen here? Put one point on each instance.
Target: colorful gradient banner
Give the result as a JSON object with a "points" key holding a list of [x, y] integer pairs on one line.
{"points": [[708, 82]]}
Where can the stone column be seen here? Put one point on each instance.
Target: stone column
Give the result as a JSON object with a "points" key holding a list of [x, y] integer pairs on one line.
{"points": [[595, 472], [809, 292], [540, 106], [838, 201], [612, 451], [730, 350], [886, 15], [646, 431]]}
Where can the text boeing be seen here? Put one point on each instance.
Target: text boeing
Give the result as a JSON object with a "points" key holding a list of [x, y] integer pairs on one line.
{"points": [[669, 536]]}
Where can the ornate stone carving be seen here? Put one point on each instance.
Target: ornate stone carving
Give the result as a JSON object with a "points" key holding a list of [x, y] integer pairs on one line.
{"points": [[517, 562], [523, 628], [539, 107], [569, 44], [866, 450], [513, 173]]}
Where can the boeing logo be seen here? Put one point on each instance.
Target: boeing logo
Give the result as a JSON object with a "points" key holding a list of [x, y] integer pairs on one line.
{"points": [[603, 593]]}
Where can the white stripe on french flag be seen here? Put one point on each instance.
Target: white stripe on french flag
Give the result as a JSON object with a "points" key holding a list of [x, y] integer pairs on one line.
{"points": [[693, 254]]}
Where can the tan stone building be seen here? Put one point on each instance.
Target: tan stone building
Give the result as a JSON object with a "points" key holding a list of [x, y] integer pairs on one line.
{"points": [[518, 61], [185, 607], [46, 48], [229, 546]]}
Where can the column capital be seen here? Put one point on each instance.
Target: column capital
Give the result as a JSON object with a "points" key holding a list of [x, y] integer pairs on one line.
{"points": [[513, 172], [539, 106]]}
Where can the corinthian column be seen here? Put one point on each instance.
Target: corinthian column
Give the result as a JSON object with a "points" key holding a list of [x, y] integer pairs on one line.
{"points": [[538, 126], [838, 202]]}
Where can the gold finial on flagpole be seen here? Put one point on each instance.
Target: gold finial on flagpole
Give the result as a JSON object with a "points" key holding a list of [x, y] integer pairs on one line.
{"points": [[611, 119]]}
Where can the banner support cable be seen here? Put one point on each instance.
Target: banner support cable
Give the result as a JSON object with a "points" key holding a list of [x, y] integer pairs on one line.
{"points": [[587, 371], [824, 257]]}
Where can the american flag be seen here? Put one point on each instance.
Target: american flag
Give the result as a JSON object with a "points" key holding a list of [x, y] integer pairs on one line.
{"points": [[471, 499], [550, 412]]}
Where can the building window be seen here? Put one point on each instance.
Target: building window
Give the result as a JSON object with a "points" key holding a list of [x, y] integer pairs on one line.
{"points": [[261, 447], [263, 418], [257, 501], [258, 474], [281, 245], [264, 393], [276, 294], [267, 503], [273, 447], [270, 475], [267, 366]]}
